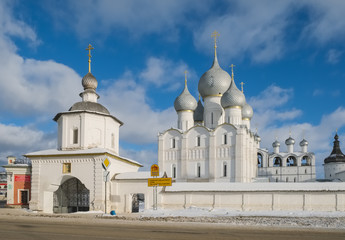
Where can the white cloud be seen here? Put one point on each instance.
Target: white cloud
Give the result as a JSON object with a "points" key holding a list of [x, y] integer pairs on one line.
{"points": [[333, 56], [326, 21], [166, 73], [128, 101], [30, 86], [135, 16]]}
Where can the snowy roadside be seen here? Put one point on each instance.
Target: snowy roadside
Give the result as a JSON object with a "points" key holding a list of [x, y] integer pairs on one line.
{"points": [[296, 219]]}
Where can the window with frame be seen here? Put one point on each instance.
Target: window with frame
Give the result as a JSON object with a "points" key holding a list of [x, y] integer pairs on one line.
{"points": [[198, 169], [225, 139], [66, 168]]}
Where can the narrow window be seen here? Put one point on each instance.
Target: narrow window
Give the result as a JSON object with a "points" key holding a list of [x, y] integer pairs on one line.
{"points": [[198, 141], [198, 170], [305, 171], [287, 179], [75, 136], [211, 117], [173, 143], [174, 171], [294, 179], [225, 169], [225, 139], [276, 179], [112, 140]]}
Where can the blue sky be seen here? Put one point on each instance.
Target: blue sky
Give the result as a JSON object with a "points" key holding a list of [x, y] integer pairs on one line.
{"points": [[289, 54]]}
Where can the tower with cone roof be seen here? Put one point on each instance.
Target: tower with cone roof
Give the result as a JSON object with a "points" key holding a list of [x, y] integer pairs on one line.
{"points": [[212, 140], [334, 164]]}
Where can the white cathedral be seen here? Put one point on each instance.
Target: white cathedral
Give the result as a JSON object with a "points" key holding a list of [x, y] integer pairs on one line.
{"points": [[213, 142]]}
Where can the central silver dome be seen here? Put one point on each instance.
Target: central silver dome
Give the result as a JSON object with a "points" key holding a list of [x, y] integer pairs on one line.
{"points": [[215, 81]]}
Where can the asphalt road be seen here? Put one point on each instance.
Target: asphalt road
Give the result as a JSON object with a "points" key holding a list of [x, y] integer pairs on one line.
{"points": [[40, 228]]}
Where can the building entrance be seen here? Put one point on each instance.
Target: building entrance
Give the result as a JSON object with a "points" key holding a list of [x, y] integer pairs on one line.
{"points": [[71, 196]]}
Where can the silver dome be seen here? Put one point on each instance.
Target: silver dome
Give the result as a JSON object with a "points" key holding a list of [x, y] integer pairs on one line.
{"points": [[290, 141], [303, 143], [276, 143], [233, 97], [247, 111], [185, 101], [215, 81], [199, 112], [89, 81]]}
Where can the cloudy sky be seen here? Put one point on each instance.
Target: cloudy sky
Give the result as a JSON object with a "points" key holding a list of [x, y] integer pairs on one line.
{"points": [[289, 54]]}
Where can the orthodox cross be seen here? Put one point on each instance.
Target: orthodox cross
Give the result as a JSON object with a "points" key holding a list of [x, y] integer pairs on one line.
{"points": [[232, 71], [185, 77], [89, 48], [242, 83], [215, 34]]}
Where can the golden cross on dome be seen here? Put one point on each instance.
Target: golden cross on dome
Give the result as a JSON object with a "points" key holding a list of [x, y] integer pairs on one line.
{"points": [[185, 77], [215, 34], [242, 83], [89, 48], [232, 71]]}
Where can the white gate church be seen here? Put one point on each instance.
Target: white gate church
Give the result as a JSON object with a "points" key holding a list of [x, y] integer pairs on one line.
{"points": [[70, 178]]}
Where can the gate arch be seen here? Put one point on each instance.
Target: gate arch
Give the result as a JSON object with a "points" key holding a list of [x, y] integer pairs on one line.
{"points": [[71, 196]]}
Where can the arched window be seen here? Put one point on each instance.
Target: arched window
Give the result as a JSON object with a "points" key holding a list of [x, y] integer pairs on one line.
{"points": [[173, 171], [212, 118], [291, 161], [277, 162], [305, 161], [225, 169], [198, 170], [260, 160]]}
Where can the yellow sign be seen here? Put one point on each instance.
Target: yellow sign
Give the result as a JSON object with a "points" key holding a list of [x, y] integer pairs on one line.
{"points": [[106, 163], [154, 170], [159, 182]]}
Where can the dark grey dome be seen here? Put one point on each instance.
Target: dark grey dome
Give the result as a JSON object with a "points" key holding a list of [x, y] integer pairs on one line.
{"points": [[89, 106], [199, 112], [247, 111], [215, 81], [185, 101], [89, 81]]}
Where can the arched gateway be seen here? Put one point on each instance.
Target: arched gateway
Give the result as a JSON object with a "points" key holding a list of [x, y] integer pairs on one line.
{"points": [[71, 196]]}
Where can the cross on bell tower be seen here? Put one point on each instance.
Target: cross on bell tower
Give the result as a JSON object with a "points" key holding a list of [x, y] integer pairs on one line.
{"points": [[89, 49]]}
